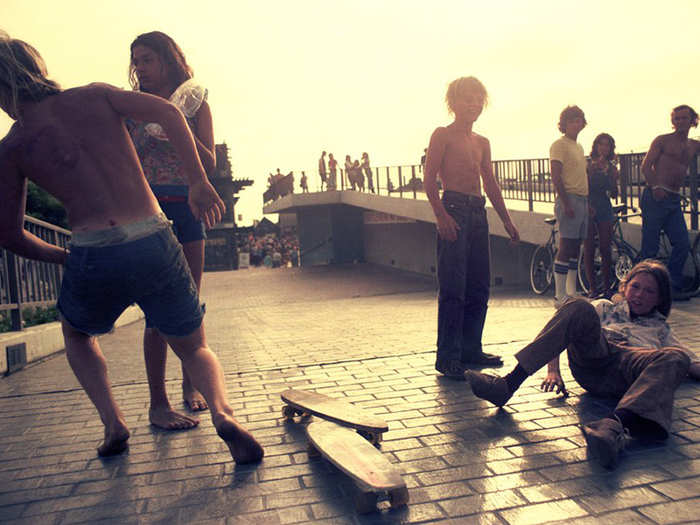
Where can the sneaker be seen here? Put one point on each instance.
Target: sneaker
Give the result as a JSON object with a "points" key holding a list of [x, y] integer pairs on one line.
{"points": [[605, 439], [483, 359], [451, 368], [493, 389]]}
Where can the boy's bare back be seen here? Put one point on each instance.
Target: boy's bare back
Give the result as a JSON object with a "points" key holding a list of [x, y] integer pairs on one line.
{"points": [[462, 155], [74, 145]]}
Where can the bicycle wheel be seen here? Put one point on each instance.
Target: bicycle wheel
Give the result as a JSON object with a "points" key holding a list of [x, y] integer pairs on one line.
{"points": [[695, 254], [691, 271], [626, 258], [616, 266], [541, 268], [691, 275]]}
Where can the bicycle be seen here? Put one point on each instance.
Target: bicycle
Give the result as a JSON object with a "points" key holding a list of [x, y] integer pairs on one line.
{"points": [[625, 256], [542, 261]]}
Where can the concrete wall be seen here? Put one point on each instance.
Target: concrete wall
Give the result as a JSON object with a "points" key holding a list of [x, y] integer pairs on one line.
{"points": [[46, 339], [412, 247], [315, 231], [409, 246]]}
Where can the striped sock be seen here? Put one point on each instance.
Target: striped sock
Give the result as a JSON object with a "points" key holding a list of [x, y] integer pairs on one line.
{"points": [[560, 273]]}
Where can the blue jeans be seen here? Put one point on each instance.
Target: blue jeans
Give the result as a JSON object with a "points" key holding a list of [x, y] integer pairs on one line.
{"points": [[463, 276], [665, 215], [99, 283]]}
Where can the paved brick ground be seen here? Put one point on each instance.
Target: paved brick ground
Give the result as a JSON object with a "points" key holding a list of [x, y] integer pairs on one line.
{"points": [[365, 334]]}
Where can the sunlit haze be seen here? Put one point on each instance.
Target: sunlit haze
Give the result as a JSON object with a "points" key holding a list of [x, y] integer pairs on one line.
{"points": [[289, 79]]}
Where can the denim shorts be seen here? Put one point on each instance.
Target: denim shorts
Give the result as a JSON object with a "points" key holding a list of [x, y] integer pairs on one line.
{"points": [[575, 227], [99, 283], [187, 228]]}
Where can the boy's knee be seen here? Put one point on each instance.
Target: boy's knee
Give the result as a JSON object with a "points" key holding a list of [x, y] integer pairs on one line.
{"points": [[578, 306], [677, 358]]}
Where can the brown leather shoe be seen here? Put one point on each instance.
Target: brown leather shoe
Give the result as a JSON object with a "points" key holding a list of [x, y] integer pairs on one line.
{"points": [[491, 388], [605, 439]]}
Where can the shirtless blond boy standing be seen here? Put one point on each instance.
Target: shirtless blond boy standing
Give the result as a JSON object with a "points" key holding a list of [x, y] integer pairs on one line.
{"points": [[462, 160], [74, 144], [664, 168]]}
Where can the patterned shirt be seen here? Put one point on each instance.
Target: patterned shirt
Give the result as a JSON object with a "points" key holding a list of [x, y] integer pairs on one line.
{"points": [[161, 164], [648, 331]]}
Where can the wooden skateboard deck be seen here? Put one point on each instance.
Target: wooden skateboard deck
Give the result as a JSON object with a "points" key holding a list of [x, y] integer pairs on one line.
{"points": [[371, 471], [302, 402]]}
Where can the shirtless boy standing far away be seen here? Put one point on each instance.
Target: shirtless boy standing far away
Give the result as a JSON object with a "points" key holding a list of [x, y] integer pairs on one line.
{"points": [[74, 144], [664, 168], [462, 159]]}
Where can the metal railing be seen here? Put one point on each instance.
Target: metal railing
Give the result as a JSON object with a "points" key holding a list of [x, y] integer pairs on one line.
{"points": [[27, 283], [526, 180]]}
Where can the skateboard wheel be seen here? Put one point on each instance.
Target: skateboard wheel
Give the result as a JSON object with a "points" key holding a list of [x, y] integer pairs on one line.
{"points": [[373, 437], [366, 502], [288, 412], [312, 451], [398, 497]]}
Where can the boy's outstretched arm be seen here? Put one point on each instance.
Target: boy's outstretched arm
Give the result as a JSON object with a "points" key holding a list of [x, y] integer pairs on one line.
{"points": [[649, 168], [13, 236], [493, 191], [446, 226]]}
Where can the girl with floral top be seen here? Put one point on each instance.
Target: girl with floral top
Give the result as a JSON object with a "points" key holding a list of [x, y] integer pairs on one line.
{"points": [[602, 186], [622, 348], [158, 67]]}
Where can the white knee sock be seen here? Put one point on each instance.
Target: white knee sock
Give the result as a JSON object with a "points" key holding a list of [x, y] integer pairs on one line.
{"points": [[571, 278], [560, 274]]}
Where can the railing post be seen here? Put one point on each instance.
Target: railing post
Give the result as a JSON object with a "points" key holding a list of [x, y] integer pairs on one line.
{"points": [[624, 178], [13, 288], [413, 180], [400, 183], [56, 267], [388, 182], [694, 193], [528, 174]]}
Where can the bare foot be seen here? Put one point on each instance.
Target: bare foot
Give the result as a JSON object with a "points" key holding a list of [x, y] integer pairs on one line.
{"points": [[243, 446], [168, 419], [115, 442], [193, 399]]}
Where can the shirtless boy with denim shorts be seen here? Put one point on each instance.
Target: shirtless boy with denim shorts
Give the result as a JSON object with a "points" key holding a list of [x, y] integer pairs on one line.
{"points": [[74, 144]]}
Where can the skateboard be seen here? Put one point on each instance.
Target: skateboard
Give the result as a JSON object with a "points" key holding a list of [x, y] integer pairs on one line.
{"points": [[371, 471], [304, 402]]}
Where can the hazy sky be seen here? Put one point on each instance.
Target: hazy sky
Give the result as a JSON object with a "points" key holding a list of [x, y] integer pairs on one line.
{"points": [[289, 79]]}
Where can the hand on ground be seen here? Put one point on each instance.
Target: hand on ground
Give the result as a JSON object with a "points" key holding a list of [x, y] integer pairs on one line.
{"points": [[553, 382]]}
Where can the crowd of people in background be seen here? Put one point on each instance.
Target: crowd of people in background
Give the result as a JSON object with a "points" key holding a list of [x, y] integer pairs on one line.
{"points": [[271, 250], [357, 172]]}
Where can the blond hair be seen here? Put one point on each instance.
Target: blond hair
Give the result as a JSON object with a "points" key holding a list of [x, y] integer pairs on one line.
{"points": [[460, 87], [23, 76]]}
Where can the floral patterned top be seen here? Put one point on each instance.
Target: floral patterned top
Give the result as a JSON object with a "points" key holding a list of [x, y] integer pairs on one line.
{"points": [[649, 331], [161, 163]]}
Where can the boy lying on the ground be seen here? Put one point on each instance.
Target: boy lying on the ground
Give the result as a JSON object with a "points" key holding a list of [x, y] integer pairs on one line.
{"points": [[623, 349]]}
